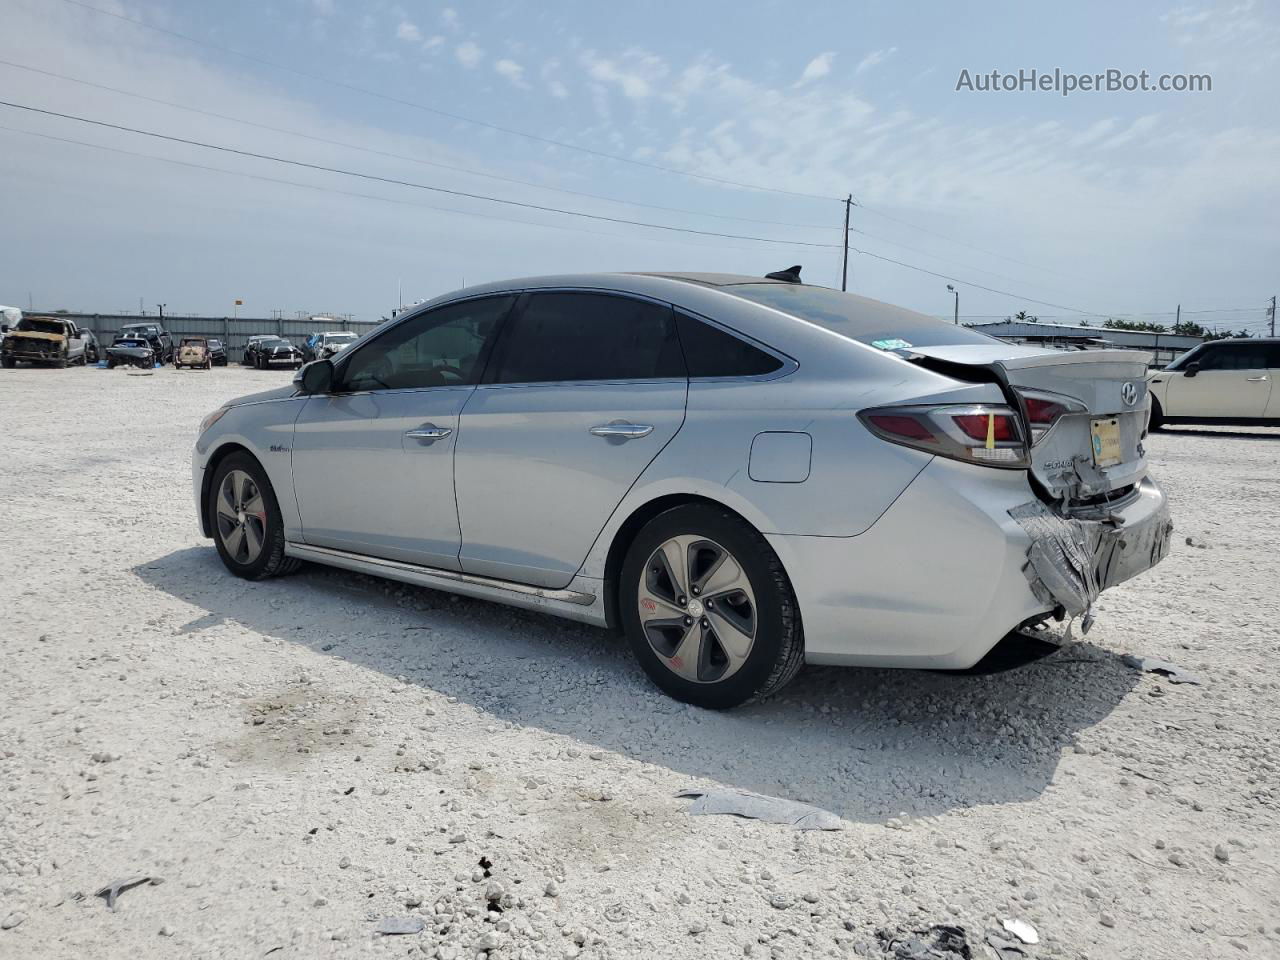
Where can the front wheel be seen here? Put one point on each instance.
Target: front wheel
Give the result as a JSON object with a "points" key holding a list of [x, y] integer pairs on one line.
{"points": [[708, 609], [1157, 416], [247, 525]]}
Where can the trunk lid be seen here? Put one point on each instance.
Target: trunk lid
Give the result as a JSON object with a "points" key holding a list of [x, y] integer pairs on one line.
{"points": [[1105, 385]]}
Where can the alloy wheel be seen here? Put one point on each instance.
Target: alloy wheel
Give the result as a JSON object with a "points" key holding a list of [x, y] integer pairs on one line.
{"points": [[242, 517], [697, 609]]}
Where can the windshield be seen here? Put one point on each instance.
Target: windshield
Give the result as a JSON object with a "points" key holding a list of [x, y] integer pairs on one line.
{"points": [[867, 321], [37, 325], [189, 342]]}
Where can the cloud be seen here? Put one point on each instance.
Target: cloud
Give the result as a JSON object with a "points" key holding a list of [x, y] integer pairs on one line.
{"points": [[557, 89], [408, 31], [635, 73], [875, 58], [323, 8], [817, 68], [449, 17], [434, 43], [512, 71], [468, 54]]}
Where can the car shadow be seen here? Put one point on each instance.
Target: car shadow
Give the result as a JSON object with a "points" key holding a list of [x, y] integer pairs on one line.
{"points": [[866, 744]]}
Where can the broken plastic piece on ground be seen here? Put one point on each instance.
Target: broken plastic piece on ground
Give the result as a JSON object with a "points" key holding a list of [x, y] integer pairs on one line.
{"points": [[939, 942], [397, 926], [1022, 930], [112, 891], [1152, 665], [1005, 949], [755, 806]]}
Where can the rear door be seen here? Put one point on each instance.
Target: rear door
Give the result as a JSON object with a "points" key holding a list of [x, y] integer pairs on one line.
{"points": [[1231, 382], [584, 390], [373, 459]]}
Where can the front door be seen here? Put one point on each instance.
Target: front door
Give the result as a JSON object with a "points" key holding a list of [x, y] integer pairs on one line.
{"points": [[373, 459], [583, 391], [1232, 381]]}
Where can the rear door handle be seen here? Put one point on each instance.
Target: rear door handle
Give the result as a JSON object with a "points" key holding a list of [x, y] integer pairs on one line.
{"points": [[621, 430], [1255, 380], [428, 431]]}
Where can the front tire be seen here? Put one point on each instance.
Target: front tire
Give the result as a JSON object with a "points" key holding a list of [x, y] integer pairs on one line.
{"points": [[248, 528], [708, 609], [1157, 416]]}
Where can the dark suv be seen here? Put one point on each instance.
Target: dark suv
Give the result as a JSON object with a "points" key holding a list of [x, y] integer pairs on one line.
{"points": [[155, 335]]}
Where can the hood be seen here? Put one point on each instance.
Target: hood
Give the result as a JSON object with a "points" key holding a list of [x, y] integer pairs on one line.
{"points": [[37, 335], [280, 393]]}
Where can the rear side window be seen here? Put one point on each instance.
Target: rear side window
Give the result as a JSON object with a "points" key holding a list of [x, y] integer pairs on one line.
{"points": [[867, 321], [1233, 356], [711, 352], [558, 337]]}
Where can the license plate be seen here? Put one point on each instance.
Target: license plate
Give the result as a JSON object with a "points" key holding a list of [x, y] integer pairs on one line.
{"points": [[1106, 442]]}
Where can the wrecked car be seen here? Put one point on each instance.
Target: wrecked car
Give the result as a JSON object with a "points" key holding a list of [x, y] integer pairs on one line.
{"points": [[156, 335], [742, 474], [131, 351], [43, 341], [193, 352]]}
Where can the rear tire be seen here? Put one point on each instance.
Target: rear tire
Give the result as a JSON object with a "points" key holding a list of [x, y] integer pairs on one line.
{"points": [[1157, 417], [244, 515], [737, 636]]}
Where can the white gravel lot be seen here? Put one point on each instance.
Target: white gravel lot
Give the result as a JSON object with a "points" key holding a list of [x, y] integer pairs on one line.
{"points": [[300, 758]]}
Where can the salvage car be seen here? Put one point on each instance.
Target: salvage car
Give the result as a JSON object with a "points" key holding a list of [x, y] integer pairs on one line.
{"points": [[156, 335], [193, 352], [131, 351], [218, 353], [741, 474], [276, 352], [92, 349], [43, 341], [320, 345], [249, 357], [1227, 382]]}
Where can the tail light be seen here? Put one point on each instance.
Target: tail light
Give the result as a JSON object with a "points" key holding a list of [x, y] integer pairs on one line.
{"points": [[1045, 409], [986, 434]]}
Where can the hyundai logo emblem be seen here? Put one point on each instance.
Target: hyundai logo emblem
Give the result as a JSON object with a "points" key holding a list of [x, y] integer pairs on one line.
{"points": [[1129, 393]]}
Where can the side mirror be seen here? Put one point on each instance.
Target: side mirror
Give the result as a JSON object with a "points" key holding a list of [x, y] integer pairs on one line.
{"points": [[316, 377], [1192, 368]]}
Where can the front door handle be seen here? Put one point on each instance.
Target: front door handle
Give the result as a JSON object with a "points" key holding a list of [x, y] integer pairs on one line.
{"points": [[622, 430], [1255, 380], [428, 431]]}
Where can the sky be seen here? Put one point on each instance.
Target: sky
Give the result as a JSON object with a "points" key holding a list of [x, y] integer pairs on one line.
{"points": [[749, 120]]}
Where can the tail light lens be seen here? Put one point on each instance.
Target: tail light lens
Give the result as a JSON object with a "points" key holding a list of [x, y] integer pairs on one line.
{"points": [[1044, 410], [986, 434]]}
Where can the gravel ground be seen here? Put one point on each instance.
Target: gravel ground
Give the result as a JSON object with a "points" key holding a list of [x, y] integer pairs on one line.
{"points": [[301, 758]]}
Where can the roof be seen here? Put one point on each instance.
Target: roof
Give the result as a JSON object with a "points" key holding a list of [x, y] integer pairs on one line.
{"points": [[710, 279]]}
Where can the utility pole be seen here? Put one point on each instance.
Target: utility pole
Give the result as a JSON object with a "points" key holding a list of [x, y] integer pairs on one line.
{"points": [[844, 273], [956, 317], [1178, 320], [161, 306], [1273, 315]]}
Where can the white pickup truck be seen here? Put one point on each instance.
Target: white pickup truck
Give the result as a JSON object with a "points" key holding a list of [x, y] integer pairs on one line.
{"points": [[50, 341]]}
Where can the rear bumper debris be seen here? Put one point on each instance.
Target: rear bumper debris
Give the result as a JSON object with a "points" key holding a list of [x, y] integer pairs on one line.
{"points": [[1071, 560]]}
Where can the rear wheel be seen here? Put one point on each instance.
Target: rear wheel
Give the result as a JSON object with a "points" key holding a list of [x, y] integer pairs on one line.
{"points": [[8, 363], [708, 608], [245, 516]]}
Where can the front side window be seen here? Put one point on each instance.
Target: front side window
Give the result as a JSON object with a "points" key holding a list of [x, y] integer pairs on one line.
{"points": [[1232, 356], [440, 348], [566, 337]]}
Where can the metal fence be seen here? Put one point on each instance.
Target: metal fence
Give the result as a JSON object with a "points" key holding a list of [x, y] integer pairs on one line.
{"points": [[233, 332]]}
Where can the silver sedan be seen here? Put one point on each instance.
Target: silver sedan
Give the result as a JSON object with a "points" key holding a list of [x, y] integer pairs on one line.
{"points": [[742, 474]]}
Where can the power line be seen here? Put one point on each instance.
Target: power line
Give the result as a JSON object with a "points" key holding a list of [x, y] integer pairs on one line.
{"points": [[398, 156], [349, 193], [978, 286], [409, 183], [445, 113]]}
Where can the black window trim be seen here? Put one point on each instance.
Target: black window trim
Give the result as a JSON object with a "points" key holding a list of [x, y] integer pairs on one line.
{"points": [[482, 360]]}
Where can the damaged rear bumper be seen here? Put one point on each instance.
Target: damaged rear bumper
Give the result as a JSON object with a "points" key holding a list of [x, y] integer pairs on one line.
{"points": [[1071, 559]]}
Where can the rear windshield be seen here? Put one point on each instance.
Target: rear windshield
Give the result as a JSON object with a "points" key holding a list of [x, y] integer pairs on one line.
{"points": [[876, 324]]}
